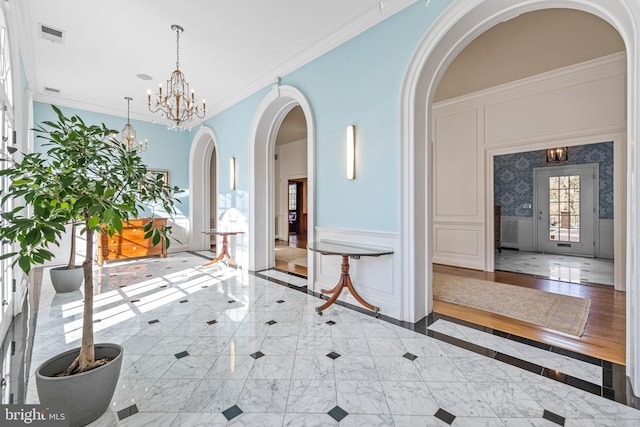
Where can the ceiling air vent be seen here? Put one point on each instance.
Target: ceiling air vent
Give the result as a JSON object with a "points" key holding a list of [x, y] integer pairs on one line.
{"points": [[51, 34], [51, 89]]}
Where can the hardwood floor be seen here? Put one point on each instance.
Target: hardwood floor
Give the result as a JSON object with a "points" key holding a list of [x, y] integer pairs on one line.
{"points": [[605, 332], [299, 242]]}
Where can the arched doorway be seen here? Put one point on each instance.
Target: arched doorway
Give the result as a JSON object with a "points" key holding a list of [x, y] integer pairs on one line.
{"points": [[456, 27], [203, 174], [267, 120]]}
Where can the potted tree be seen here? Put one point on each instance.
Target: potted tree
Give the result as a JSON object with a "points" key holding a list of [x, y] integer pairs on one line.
{"points": [[85, 178], [69, 277]]}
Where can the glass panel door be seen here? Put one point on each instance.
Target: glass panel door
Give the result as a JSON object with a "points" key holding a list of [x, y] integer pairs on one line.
{"points": [[566, 200]]}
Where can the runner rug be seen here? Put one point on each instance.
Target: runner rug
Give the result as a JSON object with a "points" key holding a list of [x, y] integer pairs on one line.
{"points": [[560, 312]]}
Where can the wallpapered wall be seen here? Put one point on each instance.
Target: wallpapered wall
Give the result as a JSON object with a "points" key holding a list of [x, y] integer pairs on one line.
{"points": [[513, 186]]}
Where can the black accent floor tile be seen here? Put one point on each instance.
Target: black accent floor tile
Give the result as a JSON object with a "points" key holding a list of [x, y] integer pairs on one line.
{"points": [[257, 355], [271, 322], [333, 355], [444, 416], [135, 300], [149, 275], [163, 286], [97, 321], [231, 301], [127, 412], [330, 322], [572, 354], [337, 413], [554, 418], [280, 301], [151, 322], [522, 364], [211, 322], [609, 393], [530, 342], [122, 286], [410, 356], [181, 354], [232, 412], [184, 300]]}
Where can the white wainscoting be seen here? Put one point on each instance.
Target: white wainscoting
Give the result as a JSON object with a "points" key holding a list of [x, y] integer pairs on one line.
{"points": [[517, 233], [376, 279], [459, 244], [523, 238], [575, 105], [179, 234], [605, 238]]}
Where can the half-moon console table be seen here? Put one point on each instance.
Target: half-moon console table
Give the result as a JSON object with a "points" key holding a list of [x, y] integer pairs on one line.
{"points": [[346, 252], [224, 252]]}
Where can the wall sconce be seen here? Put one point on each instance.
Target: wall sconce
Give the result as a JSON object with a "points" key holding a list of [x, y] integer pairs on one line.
{"points": [[557, 155], [351, 152], [232, 173]]}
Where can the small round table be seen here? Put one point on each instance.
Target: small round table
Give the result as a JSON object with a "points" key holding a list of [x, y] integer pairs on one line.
{"points": [[346, 252], [224, 252]]}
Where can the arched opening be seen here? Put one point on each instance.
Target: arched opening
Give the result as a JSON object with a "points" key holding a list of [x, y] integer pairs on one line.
{"points": [[457, 27], [267, 121], [202, 176], [291, 191]]}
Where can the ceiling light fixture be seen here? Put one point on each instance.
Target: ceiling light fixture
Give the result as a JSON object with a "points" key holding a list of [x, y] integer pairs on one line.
{"points": [[128, 134], [178, 104]]}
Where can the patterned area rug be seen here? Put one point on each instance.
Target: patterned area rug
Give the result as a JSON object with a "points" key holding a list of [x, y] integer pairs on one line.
{"points": [[559, 312]]}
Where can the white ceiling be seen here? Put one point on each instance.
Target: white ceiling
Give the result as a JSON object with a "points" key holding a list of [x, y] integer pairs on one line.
{"points": [[229, 48]]}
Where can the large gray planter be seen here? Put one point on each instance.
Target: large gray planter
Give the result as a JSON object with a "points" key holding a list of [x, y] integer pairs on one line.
{"points": [[64, 280], [84, 396]]}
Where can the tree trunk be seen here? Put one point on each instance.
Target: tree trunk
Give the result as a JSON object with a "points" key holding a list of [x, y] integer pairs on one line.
{"points": [[87, 355], [72, 256]]}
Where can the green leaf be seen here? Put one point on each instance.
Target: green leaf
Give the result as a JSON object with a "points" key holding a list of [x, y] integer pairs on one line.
{"points": [[94, 221], [8, 255], [25, 264]]}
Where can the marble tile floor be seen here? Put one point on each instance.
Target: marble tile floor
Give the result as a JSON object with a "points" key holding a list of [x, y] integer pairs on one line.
{"points": [[587, 370], [218, 346], [283, 277], [566, 268]]}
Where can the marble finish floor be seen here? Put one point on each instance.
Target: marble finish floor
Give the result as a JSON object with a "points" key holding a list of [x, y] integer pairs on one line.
{"points": [[566, 268], [217, 346]]}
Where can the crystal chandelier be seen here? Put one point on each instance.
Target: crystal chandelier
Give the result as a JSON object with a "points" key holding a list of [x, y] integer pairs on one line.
{"points": [[178, 104], [128, 134]]}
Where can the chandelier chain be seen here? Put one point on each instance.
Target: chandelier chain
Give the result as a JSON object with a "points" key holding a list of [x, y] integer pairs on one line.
{"points": [[178, 48]]}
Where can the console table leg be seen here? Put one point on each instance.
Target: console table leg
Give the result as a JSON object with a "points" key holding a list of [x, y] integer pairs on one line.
{"points": [[357, 296], [336, 293]]}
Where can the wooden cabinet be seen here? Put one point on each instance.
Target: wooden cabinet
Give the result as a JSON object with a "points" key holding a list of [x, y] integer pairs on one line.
{"points": [[496, 227], [131, 242]]}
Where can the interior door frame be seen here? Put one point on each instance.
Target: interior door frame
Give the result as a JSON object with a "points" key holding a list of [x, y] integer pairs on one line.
{"points": [[596, 201]]}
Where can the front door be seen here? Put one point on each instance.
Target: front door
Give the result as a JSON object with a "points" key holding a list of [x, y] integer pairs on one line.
{"points": [[566, 212]]}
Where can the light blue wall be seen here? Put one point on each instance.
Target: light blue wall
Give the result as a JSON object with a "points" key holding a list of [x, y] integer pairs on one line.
{"points": [[167, 149], [359, 83], [232, 130]]}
